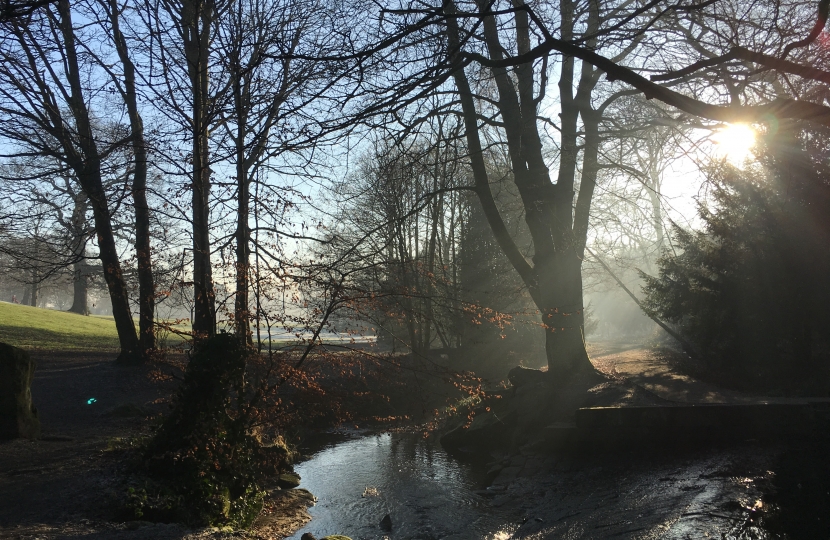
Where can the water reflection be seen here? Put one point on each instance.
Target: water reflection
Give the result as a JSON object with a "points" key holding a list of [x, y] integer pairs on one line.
{"points": [[427, 494]]}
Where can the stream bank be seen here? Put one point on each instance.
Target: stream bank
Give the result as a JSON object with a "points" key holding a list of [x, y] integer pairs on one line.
{"points": [[712, 493], [60, 486]]}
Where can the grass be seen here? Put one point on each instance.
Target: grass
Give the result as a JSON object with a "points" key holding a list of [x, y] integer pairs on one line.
{"points": [[50, 330], [46, 329]]}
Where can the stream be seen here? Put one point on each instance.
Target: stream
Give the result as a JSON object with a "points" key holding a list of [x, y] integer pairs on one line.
{"points": [[427, 493]]}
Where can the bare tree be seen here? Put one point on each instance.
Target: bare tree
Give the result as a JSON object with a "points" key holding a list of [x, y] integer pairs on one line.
{"points": [[127, 88], [269, 104], [178, 77], [557, 227], [498, 55], [35, 195], [46, 111]]}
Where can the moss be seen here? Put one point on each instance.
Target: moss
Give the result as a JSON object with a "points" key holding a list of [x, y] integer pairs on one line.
{"points": [[205, 449]]}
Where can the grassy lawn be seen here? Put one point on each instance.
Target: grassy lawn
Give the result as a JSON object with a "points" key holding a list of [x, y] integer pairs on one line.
{"points": [[51, 330], [47, 329]]}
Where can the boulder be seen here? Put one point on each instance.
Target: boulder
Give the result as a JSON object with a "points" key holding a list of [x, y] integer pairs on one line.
{"points": [[288, 480], [520, 376], [18, 417], [335, 537]]}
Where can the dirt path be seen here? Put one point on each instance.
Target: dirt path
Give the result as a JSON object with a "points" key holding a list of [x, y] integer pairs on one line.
{"points": [[715, 493], [731, 491], [643, 491], [58, 486], [654, 371], [64, 485]]}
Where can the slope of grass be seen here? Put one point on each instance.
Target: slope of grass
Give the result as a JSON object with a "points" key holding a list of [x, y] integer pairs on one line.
{"points": [[47, 329], [51, 330]]}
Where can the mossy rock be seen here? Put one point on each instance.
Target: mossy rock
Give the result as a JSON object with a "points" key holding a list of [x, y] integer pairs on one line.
{"points": [[18, 416], [288, 480], [204, 452]]}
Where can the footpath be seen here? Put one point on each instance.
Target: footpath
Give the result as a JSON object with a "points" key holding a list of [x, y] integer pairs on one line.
{"points": [[652, 371]]}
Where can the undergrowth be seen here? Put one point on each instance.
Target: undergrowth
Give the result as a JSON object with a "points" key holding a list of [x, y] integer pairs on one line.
{"points": [[206, 463]]}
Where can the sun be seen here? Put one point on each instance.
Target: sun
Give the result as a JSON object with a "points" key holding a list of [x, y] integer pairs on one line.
{"points": [[734, 142]]}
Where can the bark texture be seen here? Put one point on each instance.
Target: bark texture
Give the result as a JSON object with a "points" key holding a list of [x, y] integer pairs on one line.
{"points": [[79, 270], [80, 304]]}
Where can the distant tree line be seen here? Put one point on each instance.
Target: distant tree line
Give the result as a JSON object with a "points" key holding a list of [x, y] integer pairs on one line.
{"points": [[185, 128]]}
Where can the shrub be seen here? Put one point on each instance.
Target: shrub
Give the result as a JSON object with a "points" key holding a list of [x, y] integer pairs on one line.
{"points": [[206, 451]]}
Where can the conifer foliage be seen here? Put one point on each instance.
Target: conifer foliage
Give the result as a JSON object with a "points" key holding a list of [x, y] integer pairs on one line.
{"points": [[750, 288]]}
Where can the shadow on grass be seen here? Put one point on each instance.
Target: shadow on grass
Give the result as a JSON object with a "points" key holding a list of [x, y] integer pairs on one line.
{"points": [[41, 339]]}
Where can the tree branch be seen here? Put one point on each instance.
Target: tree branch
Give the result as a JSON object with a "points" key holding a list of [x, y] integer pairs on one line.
{"points": [[781, 108]]}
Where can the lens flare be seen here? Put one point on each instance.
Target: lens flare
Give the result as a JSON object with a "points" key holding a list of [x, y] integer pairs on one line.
{"points": [[734, 143]]}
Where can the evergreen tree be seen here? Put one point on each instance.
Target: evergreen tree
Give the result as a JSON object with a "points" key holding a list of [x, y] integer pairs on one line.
{"points": [[750, 289]]}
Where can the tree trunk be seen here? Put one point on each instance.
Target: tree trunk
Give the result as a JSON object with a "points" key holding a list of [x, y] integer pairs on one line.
{"points": [[408, 301], [78, 229], [146, 285], [108, 253], [197, 21], [87, 166], [563, 316], [35, 287], [242, 315], [554, 280], [80, 287], [656, 207], [204, 324], [429, 282], [254, 123]]}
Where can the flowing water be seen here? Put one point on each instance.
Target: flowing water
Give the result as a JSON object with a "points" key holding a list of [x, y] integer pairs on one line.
{"points": [[427, 493]]}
